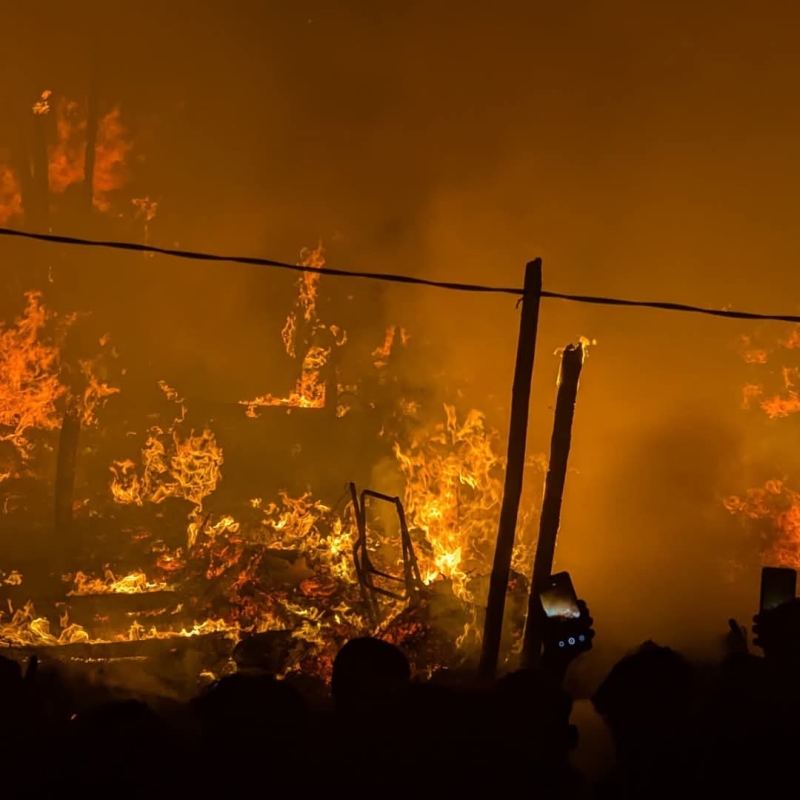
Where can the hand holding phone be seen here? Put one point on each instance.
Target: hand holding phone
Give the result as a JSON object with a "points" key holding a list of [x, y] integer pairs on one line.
{"points": [[568, 627], [778, 587]]}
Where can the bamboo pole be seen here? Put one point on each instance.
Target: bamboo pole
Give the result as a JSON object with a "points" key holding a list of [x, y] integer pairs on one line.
{"points": [[515, 466], [550, 519]]}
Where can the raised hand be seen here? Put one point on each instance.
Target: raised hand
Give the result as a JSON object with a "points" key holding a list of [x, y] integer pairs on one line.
{"points": [[777, 632], [736, 639]]}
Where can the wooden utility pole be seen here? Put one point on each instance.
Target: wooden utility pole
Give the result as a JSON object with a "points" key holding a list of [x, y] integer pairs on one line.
{"points": [[515, 467], [550, 519]]}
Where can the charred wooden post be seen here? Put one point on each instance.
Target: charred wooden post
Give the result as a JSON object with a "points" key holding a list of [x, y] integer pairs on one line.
{"points": [[550, 519], [66, 463], [515, 467]]}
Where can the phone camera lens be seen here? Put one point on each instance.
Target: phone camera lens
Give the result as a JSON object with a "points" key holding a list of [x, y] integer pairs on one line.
{"points": [[581, 638], [561, 644], [572, 640]]}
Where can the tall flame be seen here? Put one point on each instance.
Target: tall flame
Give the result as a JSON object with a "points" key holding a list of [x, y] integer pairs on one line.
{"points": [[29, 376], [66, 156], [172, 465], [303, 329]]}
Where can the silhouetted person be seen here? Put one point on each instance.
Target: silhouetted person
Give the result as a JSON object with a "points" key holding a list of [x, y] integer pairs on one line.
{"points": [[366, 672], [647, 701]]}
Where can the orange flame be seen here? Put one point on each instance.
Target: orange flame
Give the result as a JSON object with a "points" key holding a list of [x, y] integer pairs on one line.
{"points": [[310, 390], [10, 197], [133, 583], [29, 376], [172, 465]]}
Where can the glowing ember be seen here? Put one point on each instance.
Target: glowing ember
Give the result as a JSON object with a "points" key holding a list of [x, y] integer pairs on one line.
{"points": [[13, 578]]}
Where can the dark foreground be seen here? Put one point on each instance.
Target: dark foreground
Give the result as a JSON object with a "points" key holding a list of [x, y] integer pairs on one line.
{"points": [[377, 732]]}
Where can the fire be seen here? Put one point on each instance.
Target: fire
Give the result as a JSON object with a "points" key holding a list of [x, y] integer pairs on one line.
{"points": [[23, 628], [308, 526], [67, 155], [381, 354], [10, 197], [13, 578], [787, 400], [30, 384], [111, 158], [96, 393], [454, 486], [187, 467], [305, 333], [772, 511], [33, 390], [280, 563], [775, 509], [132, 583]]}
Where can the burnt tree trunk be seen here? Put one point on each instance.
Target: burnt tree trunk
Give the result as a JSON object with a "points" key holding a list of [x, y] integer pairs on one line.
{"points": [[66, 464]]}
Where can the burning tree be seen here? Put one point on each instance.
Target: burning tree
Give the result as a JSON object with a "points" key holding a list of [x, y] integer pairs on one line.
{"points": [[772, 510]]}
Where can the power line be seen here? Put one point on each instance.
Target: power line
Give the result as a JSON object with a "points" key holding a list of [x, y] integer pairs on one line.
{"points": [[407, 279], [663, 306], [259, 262]]}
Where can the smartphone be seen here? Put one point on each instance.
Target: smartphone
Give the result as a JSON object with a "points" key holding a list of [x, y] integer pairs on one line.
{"points": [[558, 597], [778, 586]]}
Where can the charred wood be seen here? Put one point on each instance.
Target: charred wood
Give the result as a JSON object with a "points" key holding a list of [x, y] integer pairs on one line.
{"points": [[68, 441]]}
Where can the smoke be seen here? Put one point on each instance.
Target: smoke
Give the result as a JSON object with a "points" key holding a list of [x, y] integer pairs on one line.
{"points": [[609, 141]]}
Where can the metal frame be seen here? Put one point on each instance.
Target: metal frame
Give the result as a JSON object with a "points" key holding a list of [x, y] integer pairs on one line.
{"points": [[366, 571]]}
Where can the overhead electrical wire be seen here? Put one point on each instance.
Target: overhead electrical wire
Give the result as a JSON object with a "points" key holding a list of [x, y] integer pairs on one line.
{"points": [[393, 278]]}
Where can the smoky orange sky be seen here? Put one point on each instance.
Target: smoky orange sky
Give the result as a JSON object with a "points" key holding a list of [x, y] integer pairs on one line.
{"points": [[644, 150]]}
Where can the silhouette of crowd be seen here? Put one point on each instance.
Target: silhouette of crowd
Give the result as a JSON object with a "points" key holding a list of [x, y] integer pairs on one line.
{"points": [[380, 731]]}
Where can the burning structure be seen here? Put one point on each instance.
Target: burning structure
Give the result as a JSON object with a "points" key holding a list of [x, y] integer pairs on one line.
{"points": [[161, 542]]}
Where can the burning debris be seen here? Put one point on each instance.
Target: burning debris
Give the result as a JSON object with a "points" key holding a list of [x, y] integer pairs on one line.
{"points": [[305, 334], [279, 568], [771, 511], [158, 558]]}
